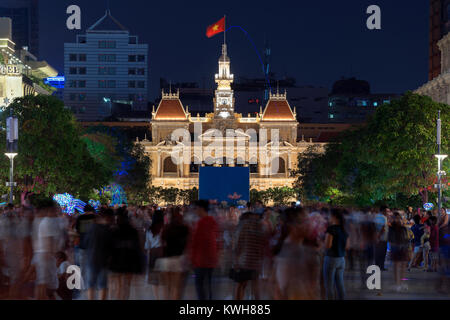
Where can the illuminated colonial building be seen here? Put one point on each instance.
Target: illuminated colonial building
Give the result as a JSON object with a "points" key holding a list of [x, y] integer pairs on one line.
{"points": [[439, 88], [246, 147], [21, 73]]}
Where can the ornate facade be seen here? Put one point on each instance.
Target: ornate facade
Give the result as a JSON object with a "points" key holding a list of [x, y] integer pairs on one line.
{"points": [[248, 145], [439, 88]]}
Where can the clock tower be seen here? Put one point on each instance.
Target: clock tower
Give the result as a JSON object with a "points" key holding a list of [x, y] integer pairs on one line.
{"points": [[224, 97]]}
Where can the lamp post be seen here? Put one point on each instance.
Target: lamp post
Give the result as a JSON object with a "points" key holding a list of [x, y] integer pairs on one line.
{"points": [[12, 138], [440, 157]]}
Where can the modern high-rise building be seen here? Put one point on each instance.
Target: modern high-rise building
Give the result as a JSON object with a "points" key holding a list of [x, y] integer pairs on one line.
{"points": [[439, 27], [106, 66], [25, 22], [351, 101]]}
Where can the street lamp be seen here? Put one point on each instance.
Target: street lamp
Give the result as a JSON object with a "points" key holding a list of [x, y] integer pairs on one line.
{"points": [[12, 138], [440, 157]]}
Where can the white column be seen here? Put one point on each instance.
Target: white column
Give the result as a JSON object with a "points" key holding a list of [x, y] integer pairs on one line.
{"points": [[158, 173]]}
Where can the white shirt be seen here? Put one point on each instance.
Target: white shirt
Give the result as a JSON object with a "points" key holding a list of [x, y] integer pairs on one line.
{"points": [[42, 229], [152, 241]]}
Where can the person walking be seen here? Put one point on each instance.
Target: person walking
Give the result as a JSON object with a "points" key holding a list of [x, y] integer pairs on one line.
{"points": [[382, 225], [418, 230], [154, 249], [126, 256], [204, 251], [336, 243], [173, 265], [248, 254], [98, 253], [399, 241]]}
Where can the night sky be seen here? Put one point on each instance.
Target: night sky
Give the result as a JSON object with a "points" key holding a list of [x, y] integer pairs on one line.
{"points": [[316, 42]]}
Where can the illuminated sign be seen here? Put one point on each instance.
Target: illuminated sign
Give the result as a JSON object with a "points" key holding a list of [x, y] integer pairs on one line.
{"points": [[56, 79], [57, 82], [10, 70]]}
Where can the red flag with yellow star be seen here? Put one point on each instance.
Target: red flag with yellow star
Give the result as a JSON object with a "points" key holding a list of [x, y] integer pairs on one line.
{"points": [[216, 28]]}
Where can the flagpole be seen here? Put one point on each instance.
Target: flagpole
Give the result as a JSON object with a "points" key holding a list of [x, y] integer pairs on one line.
{"points": [[225, 29]]}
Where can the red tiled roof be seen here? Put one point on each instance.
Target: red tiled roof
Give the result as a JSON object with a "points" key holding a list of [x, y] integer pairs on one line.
{"points": [[170, 109], [278, 110]]}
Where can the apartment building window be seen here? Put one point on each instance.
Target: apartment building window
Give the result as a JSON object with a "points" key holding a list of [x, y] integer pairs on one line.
{"points": [[106, 83], [131, 84], [106, 70], [72, 84], [82, 84], [131, 58], [73, 57], [72, 97], [82, 70], [103, 44], [141, 84], [82, 97], [82, 57], [107, 57], [141, 71], [102, 83], [73, 71], [141, 58], [132, 71], [111, 83], [136, 97]]}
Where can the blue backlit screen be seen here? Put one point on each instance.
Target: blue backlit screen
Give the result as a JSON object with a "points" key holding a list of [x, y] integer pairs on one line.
{"points": [[218, 183]]}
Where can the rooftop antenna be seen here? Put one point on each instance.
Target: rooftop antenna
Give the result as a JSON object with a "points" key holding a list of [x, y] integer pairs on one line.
{"points": [[224, 50], [267, 53], [108, 11]]}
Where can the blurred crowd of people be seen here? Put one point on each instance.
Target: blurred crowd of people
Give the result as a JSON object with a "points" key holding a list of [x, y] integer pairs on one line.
{"points": [[288, 252]]}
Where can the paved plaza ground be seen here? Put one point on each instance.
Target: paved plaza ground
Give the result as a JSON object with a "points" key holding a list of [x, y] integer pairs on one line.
{"points": [[421, 286]]}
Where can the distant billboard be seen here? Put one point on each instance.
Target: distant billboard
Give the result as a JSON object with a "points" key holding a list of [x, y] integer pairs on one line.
{"points": [[230, 184]]}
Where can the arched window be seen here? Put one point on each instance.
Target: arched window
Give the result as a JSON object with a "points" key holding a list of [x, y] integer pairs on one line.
{"points": [[278, 166], [195, 165], [169, 166], [253, 164]]}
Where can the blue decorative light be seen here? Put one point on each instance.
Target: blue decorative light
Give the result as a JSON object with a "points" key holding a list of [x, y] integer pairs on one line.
{"points": [[428, 206], [69, 204], [117, 194], [95, 204]]}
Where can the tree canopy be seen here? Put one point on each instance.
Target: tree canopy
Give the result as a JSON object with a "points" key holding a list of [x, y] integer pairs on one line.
{"points": [[388, 159], [52, 156]]}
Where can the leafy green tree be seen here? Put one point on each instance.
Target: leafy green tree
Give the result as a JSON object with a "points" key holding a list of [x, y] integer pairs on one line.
{"points": [[388, 160], [169, 195], [118, 148], [136, 182], [53, 158]]}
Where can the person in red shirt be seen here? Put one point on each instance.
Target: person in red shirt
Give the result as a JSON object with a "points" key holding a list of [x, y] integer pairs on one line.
{"points": [[204, 251]]}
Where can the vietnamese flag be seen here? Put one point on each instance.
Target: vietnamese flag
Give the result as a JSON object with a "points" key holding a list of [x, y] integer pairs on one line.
{"points": [[216, 28]]}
